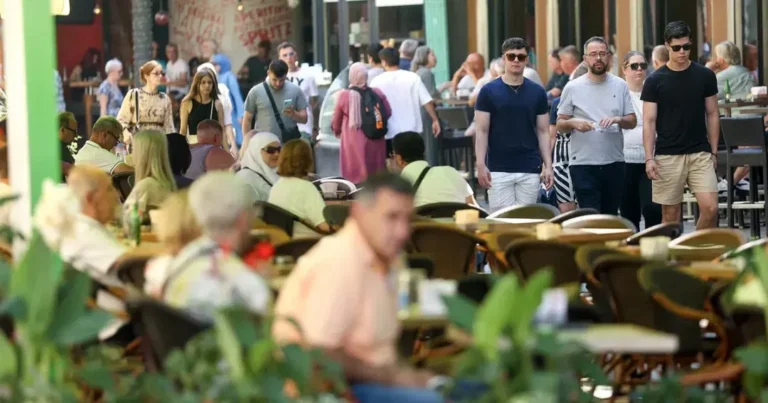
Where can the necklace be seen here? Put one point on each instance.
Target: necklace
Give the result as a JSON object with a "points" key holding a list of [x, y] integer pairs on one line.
{"points": [[515, 88]]}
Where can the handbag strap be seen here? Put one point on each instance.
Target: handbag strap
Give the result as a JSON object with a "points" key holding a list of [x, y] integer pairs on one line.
{"points": [[213, 103], [258, 173], [274, 109], [136, 100], [421, 179]]}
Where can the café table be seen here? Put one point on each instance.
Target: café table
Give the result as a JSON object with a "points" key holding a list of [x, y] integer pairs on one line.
{"points": [[689, 253], [492, 224], [728, 107], [89, 98]]}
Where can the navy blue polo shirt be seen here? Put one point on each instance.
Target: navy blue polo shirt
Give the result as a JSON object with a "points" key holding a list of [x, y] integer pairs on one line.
{"points": [[553, 111], [513, 146]]}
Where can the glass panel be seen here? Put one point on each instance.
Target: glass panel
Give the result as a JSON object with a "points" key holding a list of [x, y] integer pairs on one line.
{"points": [[749, 27]]}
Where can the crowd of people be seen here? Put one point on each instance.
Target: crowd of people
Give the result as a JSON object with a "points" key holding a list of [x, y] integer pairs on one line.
{"points": [[620, 146]]}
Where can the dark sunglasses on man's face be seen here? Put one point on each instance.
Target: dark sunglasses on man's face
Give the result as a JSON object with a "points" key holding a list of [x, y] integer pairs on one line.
{"points": [[519, 56], [686, 47], [638, 66], [272, 150], [70, 129]]}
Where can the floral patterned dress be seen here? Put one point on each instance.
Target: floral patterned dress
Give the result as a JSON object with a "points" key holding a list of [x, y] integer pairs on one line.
{"points": [[155, 113]]}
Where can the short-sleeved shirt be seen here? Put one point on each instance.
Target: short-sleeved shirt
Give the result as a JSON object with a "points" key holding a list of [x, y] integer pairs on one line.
{"points": [[66, 155], [342, 298], [681, 112], [585, 99], [468, 83], [441, 184], [114, 97], [301, 198], [513, 145], [257, 103], [306, 81], [406, 95], [93, 154], [176, 71], [557, 81], [553, 111]]}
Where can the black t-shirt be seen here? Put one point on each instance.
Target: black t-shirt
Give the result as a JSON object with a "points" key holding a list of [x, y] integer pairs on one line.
{"points": [[681, 112], [66, 156], [557, 81]]}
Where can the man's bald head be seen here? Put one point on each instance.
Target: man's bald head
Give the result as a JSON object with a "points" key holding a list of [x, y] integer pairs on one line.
{"points": [[476, 62], [210, 132], [93, 188], [660, 56]]}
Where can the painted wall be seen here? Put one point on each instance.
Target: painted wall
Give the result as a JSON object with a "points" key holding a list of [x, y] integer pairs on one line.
{"points": [[72, 40]]}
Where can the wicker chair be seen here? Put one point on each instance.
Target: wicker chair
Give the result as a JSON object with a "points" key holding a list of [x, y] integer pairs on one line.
{"points": [[599, 221], [295, 248], [123, 182], [727, 237], [452, 250], [130, 270], [283, 219], [573, 214], [586, 259], [528, 256], [421, 261], [671, 230], [680, 303], [162, 329], [743, 248], [336, 214], [541, 211], [446, 210], [499, 242]]}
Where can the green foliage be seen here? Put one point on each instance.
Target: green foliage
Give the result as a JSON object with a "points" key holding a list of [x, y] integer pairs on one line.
{"points": [[512, 358]]}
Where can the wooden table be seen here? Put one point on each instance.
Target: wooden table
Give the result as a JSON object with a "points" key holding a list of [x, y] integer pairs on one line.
{"points": [[622, 338], [712, 270], [728, 106], [493, 224], [593, 235]]}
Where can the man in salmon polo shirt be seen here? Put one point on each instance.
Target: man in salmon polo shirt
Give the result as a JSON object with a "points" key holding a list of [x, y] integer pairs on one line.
{"points": [[343, 294]]}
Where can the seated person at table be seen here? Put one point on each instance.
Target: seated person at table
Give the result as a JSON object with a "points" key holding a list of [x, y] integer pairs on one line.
{"points": [[206, 274], [342, 296], [258, 168], [88, 246], [67, 134], [154, 180], [97, 150], [293, 192], [175, 226], [438, 184], [208, 154], [180, 158]]}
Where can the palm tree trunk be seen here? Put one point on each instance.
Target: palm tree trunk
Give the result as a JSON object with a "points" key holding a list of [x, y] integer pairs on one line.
{"points": [[141, 11]]}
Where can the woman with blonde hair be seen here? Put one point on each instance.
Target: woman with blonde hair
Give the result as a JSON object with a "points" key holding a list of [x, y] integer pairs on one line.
{"points": [[200, 104], [293, 192], [175, 227], [153, 176], [360, 155], [154, 107]]}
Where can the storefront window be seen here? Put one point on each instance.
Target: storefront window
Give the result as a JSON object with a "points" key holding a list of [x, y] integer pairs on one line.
{"points": [[750, 33]]}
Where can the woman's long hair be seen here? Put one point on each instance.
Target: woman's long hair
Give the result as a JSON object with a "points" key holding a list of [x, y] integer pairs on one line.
{"points": [[194, 89], [150, 158], [420, 58]]}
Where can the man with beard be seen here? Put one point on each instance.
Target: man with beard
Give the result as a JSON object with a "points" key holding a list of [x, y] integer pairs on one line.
{"points": [[595, 107]]}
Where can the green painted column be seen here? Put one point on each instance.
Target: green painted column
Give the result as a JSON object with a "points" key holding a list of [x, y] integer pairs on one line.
{"points": [[436, 27], [30, 50]]}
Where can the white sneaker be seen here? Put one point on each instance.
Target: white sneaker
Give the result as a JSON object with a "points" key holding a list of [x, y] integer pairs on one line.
{"points": [[722, 185], [743, 185]]}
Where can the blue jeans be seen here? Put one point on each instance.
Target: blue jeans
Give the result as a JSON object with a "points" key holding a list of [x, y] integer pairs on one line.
{"points": [[598, 186], [372, 393]]}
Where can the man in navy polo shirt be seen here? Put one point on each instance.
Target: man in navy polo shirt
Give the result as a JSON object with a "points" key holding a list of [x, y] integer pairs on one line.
{"points": [[512, 142]]}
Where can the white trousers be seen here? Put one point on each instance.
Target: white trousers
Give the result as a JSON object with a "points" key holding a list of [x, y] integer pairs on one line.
{"points": [[512, 189]]}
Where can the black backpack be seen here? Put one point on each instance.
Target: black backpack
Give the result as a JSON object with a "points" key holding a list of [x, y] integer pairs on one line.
{"points": [[373, 123]]}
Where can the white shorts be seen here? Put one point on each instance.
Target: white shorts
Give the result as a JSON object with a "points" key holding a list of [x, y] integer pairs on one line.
{"points": [[512, 189]]}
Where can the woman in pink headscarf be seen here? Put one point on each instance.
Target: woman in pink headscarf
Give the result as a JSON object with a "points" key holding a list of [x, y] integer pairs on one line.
{"points": [[360, 155]]}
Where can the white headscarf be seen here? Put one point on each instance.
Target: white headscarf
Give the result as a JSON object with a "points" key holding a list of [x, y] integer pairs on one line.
{"points": [[252, 157]]}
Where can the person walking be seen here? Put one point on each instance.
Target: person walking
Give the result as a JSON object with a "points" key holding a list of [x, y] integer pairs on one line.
{"points": [[594, 108], [424, 60], [305, 80], [636, 194], [512, 140], [360, 155], [680, 146]]}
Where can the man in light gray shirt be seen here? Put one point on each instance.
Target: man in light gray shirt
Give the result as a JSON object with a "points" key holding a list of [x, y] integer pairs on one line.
{"points": [[595, 107], [289, 100]]}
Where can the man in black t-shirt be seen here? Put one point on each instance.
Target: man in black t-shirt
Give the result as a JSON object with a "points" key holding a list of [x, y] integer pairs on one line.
{"points": [[678, 98]]}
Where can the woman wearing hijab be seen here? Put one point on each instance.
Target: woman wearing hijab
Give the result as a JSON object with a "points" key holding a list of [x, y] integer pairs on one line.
{"points": [[360, 155], [258, 166], [228, 78]]}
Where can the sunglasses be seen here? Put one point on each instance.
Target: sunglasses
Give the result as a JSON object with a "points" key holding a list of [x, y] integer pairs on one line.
{"points": [[519, 56], [162, 73], [272, 150], [70, 129], [638, 66], [686, 47]]}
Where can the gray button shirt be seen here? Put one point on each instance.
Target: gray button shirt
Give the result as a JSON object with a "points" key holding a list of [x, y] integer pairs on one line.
{"points": [[258, 104]]}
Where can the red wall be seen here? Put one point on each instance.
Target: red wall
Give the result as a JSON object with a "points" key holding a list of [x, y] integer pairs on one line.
{"points": [[73, 40]]}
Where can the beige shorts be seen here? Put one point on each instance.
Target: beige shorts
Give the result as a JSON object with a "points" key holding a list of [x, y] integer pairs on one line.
{"points": [[676, 170]]}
